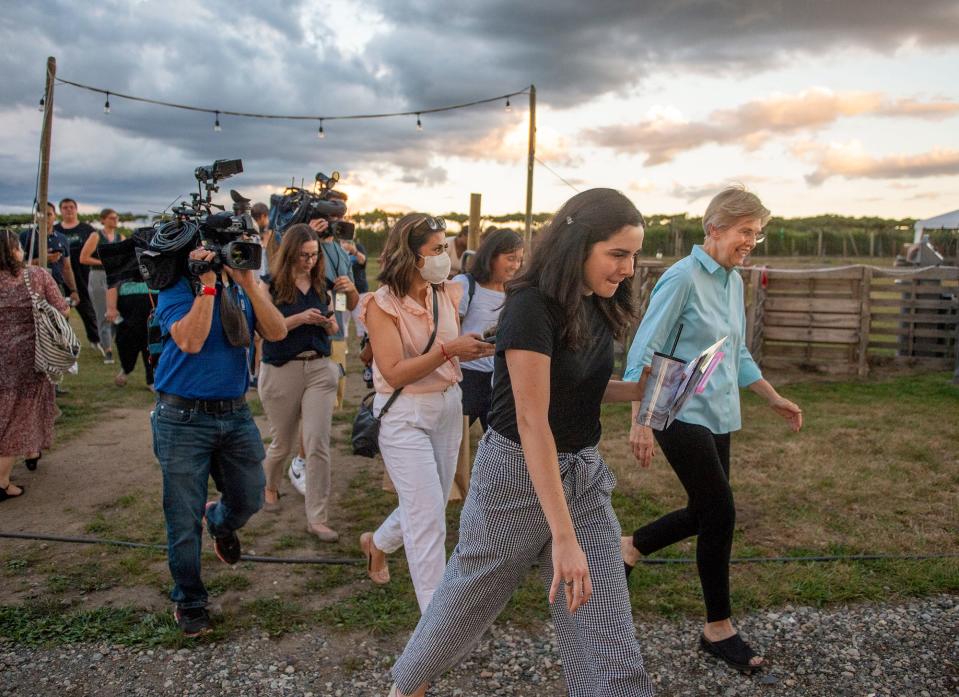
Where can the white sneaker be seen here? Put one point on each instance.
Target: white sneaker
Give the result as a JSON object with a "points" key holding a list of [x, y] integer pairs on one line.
{"points": [[298, 474]]}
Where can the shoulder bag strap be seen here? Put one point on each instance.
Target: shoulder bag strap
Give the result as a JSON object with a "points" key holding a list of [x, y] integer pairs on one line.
{"points": [[429, 345]]}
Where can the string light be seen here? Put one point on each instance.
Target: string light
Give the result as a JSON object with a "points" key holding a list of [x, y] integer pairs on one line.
{"points": [[43, 100], [320, 132]]}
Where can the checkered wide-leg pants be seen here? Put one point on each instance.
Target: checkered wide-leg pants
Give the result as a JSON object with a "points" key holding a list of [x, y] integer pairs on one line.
{"points": [[503, 532]]}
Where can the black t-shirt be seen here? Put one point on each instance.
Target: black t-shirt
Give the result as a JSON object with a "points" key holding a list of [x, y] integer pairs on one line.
{"points": [[306, 337], [531, 321], [76, 236], [359, 271]]}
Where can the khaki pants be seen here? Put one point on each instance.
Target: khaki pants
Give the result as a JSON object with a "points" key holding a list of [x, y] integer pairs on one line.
{"points": [[301, 390], [338, 355]]}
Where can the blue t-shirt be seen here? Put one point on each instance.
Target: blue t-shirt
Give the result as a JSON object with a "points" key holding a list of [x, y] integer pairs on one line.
{"points": [[219, 370], [336, 261], [55, 243]]}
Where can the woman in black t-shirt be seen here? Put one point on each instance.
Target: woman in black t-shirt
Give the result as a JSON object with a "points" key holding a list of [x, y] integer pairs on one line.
{"points": [[540, 491], [297, 378]]}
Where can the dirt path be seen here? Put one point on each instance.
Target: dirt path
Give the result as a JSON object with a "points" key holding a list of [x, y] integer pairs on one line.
{"points": [[106, 483]]}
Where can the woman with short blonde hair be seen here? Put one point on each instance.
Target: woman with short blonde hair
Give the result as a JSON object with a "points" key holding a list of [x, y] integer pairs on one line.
{"points": [[695, 303]]}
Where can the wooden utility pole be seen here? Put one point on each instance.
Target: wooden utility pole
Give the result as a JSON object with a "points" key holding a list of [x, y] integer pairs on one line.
{"points": [[528, 234], [475, 202], [45, 159]]}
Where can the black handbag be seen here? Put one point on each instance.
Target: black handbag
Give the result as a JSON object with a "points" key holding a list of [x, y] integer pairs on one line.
{"points": [[366, 426]]}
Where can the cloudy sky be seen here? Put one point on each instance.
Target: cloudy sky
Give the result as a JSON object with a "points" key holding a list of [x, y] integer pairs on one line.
{"points": [[819, 106]]}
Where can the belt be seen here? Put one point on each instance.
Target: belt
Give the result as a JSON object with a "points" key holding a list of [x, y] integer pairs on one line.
{"points": [[308, 357], [208, 406]]}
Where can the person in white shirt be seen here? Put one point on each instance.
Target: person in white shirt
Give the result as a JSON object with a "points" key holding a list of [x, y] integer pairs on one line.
{"points": [[455, 247], [499, 257]]}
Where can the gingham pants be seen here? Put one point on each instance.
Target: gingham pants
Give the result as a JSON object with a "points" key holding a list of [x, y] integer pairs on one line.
{"points": [[503, 532]]}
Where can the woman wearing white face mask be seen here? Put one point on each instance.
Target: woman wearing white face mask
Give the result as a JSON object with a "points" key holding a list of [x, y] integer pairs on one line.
{"points": [[413, 325]]}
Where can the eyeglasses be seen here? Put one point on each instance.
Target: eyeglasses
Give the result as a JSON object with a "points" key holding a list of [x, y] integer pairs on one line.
{"points": [[307, 256], [758, 239], [434, 224]]}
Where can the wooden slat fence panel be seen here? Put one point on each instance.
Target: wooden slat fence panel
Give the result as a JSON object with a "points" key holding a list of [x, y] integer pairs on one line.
{"points": [[836, 320]]}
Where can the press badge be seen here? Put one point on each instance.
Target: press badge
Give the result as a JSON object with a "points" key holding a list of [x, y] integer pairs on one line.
{"points": [[339, 302]]}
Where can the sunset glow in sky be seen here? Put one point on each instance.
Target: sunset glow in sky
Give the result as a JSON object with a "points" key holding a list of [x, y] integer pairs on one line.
{"points": [[820, 107]]}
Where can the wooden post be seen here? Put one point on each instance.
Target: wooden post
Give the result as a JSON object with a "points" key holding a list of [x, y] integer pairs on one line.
{"points": [[845, 253], [528, 234], [464, 462], [45, 138], [955, 375], [754, 318], [819, 245], [475, 203], [872, 243], [865, 320]]}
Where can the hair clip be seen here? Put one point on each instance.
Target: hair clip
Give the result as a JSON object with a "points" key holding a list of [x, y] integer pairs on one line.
{"points": [[569, 220]]}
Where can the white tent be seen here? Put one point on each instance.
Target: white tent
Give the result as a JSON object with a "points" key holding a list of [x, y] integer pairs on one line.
{"points": [[947, 221]]}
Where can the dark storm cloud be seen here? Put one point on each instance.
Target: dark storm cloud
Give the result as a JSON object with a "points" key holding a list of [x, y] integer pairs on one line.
{"points": [[257, 56]]}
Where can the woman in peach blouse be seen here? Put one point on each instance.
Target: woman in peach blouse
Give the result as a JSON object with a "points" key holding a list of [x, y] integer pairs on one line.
{"points": [[421, 430]]}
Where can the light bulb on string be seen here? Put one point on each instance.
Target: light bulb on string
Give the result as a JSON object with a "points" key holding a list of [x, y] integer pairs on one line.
{"points": [[216, 124], [508, 107], [419, 124], [43, 101], [106, 105], [321, 134]]}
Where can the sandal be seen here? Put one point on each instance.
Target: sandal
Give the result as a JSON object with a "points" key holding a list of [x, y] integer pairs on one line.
{"points": [[733, 650], [271, 506], [381, 577], [31, 462], [4, 494]]}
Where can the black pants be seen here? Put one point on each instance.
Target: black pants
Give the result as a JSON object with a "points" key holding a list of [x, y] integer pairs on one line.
{"points": [[131, 338], [81, 274], [700, 459], [477, 395]]}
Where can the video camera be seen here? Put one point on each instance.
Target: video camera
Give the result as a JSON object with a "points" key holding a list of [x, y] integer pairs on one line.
{"points": [[160, 251], [299, 205]]}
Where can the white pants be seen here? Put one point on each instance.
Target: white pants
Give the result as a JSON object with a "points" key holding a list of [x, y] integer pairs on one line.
{"points": [[420, 441]]}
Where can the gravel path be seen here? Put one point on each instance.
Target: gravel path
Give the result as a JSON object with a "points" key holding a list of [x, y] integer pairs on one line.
{"points": [[909, 649]]}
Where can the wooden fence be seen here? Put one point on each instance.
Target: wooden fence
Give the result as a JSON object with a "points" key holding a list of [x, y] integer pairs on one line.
{"points": [[842, 320]]}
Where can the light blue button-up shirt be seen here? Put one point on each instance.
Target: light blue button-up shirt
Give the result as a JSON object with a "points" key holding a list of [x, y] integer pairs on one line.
{"points": [[708, 301]]}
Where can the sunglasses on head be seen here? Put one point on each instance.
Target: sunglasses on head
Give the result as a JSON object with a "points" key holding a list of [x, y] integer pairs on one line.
{"points": [[434, 224]]}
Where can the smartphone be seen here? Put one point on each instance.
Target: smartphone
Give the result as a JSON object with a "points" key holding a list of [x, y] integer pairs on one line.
{"points": [[328, 314], [490, 339]]}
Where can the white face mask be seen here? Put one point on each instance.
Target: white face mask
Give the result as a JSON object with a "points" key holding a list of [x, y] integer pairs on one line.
{"points": [[436, 269]]}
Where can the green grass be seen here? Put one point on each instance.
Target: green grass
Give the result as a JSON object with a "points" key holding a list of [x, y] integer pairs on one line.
{"points": [[875, 469], [92, 393]]}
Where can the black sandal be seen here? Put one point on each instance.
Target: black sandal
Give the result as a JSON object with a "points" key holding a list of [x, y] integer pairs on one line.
{"points": [[733, 650], [31, 462], [4, 495]]}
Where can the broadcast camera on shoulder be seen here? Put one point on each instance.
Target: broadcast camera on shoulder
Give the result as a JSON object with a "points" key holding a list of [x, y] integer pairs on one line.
{"points": [[301, 205], [158, 254]]}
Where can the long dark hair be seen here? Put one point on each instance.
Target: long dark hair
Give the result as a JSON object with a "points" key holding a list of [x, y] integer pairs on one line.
{"points": [[282, 264], [556, 266], [495, 242], [398, 261], [9, 241]]}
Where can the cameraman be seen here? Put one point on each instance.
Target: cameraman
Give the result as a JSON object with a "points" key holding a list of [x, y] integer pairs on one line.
{"points": [[202, 425], [344, 296]]}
